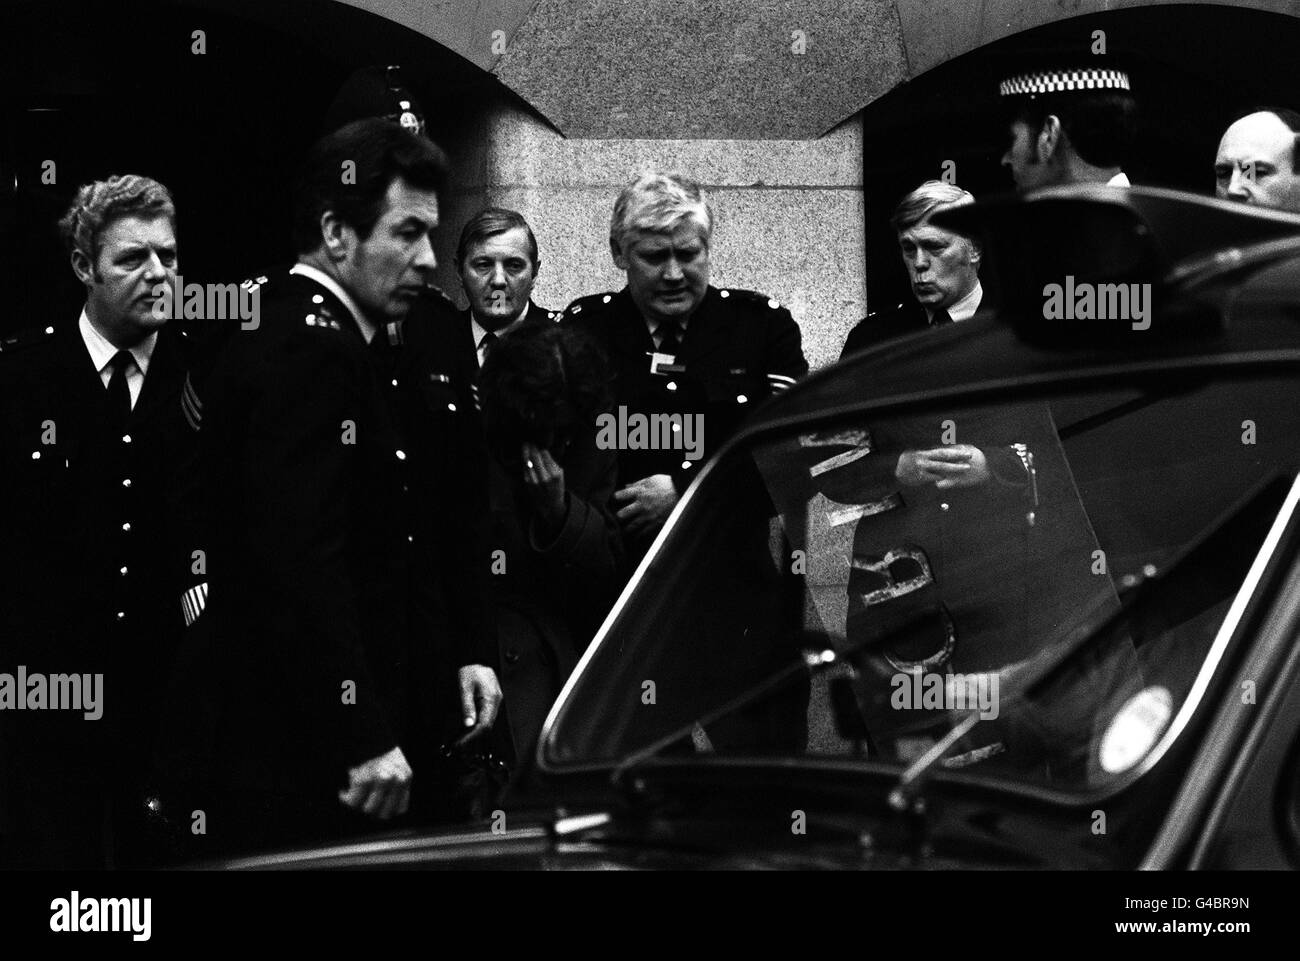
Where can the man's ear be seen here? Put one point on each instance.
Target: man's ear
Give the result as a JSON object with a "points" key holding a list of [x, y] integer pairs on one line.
{"points": [[82, 267], [1049, 137], [620, 261], [976, 254], [337, 238]]}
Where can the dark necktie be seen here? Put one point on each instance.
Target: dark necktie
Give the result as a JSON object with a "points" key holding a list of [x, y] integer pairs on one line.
{"points": [[670, 337], [941, 317], [486, 343], [119, 394]]}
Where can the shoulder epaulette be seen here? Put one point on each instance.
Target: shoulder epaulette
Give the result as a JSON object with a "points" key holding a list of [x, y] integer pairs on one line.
{"points": [[440, 295], [886, 310], [749, 296], [318, 314], [26, 338], [588, 303]]}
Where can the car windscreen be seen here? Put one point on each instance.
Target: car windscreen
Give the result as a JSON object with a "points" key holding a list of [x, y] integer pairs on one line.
{"points": [[941, 553]]}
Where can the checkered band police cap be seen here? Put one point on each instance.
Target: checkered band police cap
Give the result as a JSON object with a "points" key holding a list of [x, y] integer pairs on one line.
{"points": [[1059, 81]]}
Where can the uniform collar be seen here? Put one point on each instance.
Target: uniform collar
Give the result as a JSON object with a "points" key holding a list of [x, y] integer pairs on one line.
{"points": [[329, 283], [480, 331], [102, 350]]}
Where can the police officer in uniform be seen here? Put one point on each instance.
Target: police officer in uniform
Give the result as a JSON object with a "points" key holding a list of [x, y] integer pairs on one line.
{"points": [[679, 345], [328, 569], [101, 566], [1068, 124]]}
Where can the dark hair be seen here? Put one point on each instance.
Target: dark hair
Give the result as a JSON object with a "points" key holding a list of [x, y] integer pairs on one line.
{"points": [[1101, 124], [1289, 117], [380, 152], [489, 222], [542, 383]]}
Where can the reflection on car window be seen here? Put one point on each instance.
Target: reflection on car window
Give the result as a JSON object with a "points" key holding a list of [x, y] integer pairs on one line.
{"points": [[940, 553]]}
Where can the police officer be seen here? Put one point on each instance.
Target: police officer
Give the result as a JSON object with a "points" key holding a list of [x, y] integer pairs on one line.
{"points": [[100, 565], [1068, 125], [679, 345], [325, 574], [942, 266]]}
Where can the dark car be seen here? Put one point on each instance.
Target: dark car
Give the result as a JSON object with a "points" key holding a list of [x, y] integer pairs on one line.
{"points": [[1076, 649]]}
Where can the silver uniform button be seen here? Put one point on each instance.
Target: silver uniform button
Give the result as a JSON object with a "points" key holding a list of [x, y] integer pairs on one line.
{"points": [[126, 482], [127, 527]]}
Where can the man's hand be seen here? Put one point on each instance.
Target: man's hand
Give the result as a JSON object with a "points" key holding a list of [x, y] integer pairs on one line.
{"points": [[480, 698], [649, 502], [955, 465], [381, 787], [544, 481]]}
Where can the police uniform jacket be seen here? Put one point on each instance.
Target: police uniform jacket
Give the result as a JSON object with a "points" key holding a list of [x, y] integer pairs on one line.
{"points": [[324, 573], [96, 539], [882, 325], [740, 348]]}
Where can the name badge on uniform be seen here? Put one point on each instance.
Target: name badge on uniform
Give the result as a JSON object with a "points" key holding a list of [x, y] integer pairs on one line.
{"points": [[665, 364]]}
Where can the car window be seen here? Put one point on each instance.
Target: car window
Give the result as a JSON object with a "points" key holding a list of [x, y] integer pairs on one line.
{"points": [[939, 552]]}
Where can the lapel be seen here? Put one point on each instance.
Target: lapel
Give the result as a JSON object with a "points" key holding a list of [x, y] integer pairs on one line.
{"points": [[464, 350], [79, 395], [629, 336], [706, 334], [162, 383]]}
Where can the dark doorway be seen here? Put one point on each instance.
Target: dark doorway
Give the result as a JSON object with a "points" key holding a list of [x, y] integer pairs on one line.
{"points": [[102, 88]]}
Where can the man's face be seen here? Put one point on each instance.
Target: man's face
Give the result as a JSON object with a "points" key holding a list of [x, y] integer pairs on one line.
{"points": [[668, 272], [386, 271], [136, 255], [498, 275], [942, 266], [1029, 169], [1255, 163]]}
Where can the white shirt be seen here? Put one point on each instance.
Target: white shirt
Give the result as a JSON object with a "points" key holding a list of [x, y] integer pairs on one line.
{"points": [[332, 285], [963, 309], [102, 352], [481, 332], [1119, 180]]}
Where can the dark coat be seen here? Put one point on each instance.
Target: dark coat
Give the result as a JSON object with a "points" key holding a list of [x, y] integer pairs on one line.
{"points": [[882, 325], [740, 348], [333, 641], [547, 599], [96, 537], [97, 530]]}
